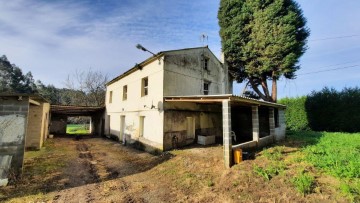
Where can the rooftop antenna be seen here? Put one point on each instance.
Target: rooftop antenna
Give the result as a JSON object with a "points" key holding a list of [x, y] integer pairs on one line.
{"points": [[204, 39]]}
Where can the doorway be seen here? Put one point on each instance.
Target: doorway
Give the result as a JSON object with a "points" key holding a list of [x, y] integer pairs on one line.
{"points": [[122, 129], [190, 128]]}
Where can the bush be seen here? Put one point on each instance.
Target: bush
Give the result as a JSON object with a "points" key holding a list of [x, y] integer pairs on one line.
{"points": [[295, 114], [326, 110], [330, 110]]}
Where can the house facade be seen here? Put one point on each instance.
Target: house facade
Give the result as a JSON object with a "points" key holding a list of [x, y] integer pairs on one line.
{"points": [[177, 97]]}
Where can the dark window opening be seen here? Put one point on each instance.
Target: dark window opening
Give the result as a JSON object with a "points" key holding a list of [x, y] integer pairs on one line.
{"points": [[276, 117], [206, 63], [110, 97], [125, 92], [264, 124], [206, 88]]}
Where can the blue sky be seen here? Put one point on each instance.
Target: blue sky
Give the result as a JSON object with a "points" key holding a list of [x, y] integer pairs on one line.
{"points": [[53, 38]]}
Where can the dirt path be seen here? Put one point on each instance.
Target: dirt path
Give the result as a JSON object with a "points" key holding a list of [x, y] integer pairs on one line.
{"points": [[100, 170], [100, 160], [81, 171]]}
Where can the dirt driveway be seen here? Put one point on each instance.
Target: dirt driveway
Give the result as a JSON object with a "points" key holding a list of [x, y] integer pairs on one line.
{"points": [[101, 170], [70, 169]]}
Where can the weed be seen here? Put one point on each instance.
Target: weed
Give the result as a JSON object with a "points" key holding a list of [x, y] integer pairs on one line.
{"points": [[351, 190], [274, 153], [335, 153], [269, 172], [303, 183], [236, 183], [210, 183]]}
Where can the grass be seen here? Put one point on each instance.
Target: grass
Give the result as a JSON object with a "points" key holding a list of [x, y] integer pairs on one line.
{"points": [[335, 154], [303, 182], [41, 170], [77, 129]]}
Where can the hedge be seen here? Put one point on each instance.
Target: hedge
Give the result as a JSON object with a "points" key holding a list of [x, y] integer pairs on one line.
{"points": [[326, 110], [295, 114]]}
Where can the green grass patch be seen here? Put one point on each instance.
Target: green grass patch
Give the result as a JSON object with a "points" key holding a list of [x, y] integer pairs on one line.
{"points": [[303, 182], [77, 129], [269, 171], [336, 154]]}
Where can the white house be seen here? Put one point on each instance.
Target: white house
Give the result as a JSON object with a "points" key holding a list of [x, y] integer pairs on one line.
{"points": [[179, 97]]}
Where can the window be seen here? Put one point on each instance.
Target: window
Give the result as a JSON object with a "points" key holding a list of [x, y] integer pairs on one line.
{"points": [[206, 88], [124, 92], [206, 63], [110, 97], [144, 86], [276, 117], [141, 126]]}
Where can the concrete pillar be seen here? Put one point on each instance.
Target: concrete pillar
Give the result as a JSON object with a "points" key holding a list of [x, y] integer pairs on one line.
{"points": [[91, 126], [255, 123], [226, 114], [272, 121]]}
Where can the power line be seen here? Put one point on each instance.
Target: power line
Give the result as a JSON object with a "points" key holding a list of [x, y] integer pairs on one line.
{"points": [[329, 70], [338, 37], [337, 64]]}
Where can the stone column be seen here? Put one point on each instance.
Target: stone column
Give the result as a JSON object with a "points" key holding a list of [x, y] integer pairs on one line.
{"points": [[226, 114], [255, 123], [91, 126], [272, 122]]}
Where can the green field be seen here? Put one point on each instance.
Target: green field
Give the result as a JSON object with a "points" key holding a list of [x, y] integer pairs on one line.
{"points": [[77, 129], [334, 154]]}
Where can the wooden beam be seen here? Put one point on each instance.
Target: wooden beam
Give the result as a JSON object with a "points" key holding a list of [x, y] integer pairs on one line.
{"points": [[34, 102]]}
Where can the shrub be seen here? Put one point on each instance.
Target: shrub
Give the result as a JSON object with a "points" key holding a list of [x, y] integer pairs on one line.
{"points": [[330, 110], [295, 114], [326, 110]]}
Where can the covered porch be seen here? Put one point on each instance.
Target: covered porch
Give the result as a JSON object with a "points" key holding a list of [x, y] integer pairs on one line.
{"points": [[245, 122]]}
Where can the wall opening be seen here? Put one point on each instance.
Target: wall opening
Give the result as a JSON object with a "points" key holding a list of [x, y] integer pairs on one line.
{"points": [[241, 124], [78, 125], [122, 128], [190, 131], [110, 97], [144, 86], [264, 124], [276, 117]]}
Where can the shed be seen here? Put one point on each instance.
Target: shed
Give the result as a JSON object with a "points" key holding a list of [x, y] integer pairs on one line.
{"points": [[24, 122]]}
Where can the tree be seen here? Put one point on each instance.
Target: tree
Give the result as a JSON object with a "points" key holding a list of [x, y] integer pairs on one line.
{"points": [[13, 80], [88, 87], [262, 40]]}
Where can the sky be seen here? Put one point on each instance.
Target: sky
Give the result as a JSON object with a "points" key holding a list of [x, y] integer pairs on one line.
{"points": [[54, 38]]}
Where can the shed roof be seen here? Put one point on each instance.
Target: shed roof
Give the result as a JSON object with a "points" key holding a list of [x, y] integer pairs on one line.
{"points": [[76, 110], [220, 98], [35, 97]]}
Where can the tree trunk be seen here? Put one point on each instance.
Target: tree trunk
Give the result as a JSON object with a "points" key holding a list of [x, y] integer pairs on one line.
{"points": [[256, 89], [274, 90]]}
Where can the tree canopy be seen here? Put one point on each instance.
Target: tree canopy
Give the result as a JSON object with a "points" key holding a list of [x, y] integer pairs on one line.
{"points": [[262, 40], [13, 80]]}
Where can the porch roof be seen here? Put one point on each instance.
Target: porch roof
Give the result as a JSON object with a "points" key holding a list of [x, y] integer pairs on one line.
{"points": [[220, 98]]}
